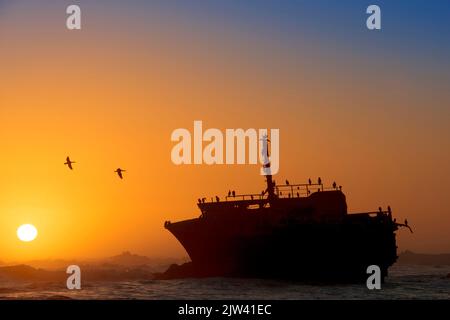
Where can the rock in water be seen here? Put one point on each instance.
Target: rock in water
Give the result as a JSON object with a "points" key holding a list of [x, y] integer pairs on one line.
{"points": [[175, 271]]}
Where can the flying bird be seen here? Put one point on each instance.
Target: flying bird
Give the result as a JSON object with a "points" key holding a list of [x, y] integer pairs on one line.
{"points": [[69, 163], [119, 172]]}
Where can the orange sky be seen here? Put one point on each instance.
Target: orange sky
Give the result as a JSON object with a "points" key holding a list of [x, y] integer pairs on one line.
{"points": [[110, 96]]}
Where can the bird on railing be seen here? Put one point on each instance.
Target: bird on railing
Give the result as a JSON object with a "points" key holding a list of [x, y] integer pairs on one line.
{"points": [[233, 193], [309, 181], [287, 182], [229, 193], [334, 185], [319, 181], [406, 225]]}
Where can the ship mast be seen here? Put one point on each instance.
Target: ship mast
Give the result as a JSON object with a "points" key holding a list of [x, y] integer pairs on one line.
{"points": [[270, 187], [266, 168]]}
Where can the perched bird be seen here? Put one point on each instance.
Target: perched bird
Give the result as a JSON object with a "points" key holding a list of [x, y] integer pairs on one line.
{"points": [[69, 163], [287, 182], [119, 172], [334, 185], [309, 181], [229, 193], [319, 181]]}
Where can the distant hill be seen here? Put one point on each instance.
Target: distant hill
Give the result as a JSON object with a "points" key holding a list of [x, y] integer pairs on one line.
{"points": [[127, 259], [409, 257], [123, 260], [52, 264], [27, 273]]}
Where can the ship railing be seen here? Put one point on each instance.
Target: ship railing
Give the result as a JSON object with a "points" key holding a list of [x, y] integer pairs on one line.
{"points": [[254, 196], [292, 190], [284, 191], [300, 190], [374, 213]]}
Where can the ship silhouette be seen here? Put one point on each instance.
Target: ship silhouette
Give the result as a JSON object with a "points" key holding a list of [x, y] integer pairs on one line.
{"points": [[291, 231]]}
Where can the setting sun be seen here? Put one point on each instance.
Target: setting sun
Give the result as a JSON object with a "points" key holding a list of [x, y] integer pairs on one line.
{"points": [[27, 232]]}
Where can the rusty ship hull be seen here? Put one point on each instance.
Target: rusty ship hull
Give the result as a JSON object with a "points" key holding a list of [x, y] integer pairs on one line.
{"points": [[305, 238]]}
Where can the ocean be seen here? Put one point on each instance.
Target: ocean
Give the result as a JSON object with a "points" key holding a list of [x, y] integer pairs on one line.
{"points": [[404, 282]]}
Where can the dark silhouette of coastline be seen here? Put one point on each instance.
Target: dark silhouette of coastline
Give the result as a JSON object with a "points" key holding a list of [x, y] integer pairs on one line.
{"points": [[125, 266]]}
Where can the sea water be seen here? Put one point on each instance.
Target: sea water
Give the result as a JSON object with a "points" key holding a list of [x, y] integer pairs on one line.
{"points": [[404, 282]]}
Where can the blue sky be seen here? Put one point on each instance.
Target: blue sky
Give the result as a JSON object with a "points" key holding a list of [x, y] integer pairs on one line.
{"points": [[408, 26]]}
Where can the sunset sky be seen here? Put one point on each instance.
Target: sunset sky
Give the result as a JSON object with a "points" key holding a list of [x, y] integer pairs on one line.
{"points": [[369, 109]]}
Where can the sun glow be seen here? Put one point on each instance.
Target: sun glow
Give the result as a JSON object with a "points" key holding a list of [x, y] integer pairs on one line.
{"points": [[27, 232]]}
